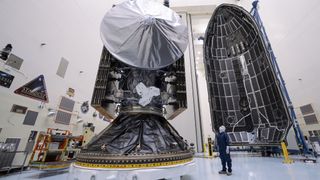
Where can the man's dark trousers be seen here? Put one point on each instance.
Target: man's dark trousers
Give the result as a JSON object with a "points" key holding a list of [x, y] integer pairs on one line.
{"points": [[225, 159]]}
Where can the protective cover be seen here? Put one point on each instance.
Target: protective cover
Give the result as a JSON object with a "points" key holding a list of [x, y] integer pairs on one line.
{"points": [[144, 34], [138, 133], [135, 139], [244, 92]]}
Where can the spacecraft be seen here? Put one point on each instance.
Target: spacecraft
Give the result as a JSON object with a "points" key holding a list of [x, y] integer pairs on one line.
{"points": [[244, 91], [140, 85]]}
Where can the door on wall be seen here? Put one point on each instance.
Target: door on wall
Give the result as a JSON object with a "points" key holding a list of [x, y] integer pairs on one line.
{"points": [[6, 158]]}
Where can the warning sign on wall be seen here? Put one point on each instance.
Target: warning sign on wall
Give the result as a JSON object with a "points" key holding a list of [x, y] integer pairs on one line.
{"points": [[35, 89]]}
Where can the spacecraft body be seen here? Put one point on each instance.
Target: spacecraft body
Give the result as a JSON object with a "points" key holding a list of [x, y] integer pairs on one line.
{"points": [[140, 84], [244, 92]]}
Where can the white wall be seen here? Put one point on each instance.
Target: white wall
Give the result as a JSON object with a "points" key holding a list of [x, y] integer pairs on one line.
{"points": [[188, 123], [70, 29], [307, 127], [293, 29]]}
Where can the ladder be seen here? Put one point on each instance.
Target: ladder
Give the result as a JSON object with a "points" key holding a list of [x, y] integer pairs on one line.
{"points": [[298, 133]]}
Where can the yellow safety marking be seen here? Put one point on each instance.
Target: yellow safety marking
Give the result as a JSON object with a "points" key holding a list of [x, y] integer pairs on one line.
{"points": [[209, 148], [147, 165], [287, 159]]}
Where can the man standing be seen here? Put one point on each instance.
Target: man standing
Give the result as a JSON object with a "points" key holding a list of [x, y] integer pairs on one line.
{"points": [[224, 152]]}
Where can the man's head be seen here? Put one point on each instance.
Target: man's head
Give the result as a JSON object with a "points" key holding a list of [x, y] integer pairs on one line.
{"points": [[222, 129]]}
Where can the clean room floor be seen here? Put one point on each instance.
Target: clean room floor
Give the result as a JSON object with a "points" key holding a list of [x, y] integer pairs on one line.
{"points": [[245, 167]]}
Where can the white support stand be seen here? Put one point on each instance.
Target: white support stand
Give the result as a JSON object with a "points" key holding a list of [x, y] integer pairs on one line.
{"points": [[168, 173]]}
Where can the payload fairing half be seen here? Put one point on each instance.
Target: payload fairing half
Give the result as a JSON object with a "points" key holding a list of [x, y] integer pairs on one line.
{"points": [[245, 93]]}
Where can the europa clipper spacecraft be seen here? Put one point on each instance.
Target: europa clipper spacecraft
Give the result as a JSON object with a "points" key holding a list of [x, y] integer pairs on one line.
{"points": [[140, 81]]}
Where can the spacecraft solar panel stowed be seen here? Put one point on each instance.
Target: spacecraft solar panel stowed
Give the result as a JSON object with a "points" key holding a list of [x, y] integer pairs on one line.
{"points": [[244, 92]]}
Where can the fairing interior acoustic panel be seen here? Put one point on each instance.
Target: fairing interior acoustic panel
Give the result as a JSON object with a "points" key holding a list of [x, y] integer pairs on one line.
{"points": [[244, 93]]}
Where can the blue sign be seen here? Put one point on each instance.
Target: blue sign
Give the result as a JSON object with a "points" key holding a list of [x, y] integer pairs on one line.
{"points": [[6, 79]]}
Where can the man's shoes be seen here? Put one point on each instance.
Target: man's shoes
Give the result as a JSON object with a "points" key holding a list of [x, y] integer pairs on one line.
{"points": [[222, 172], [229, 173]]}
